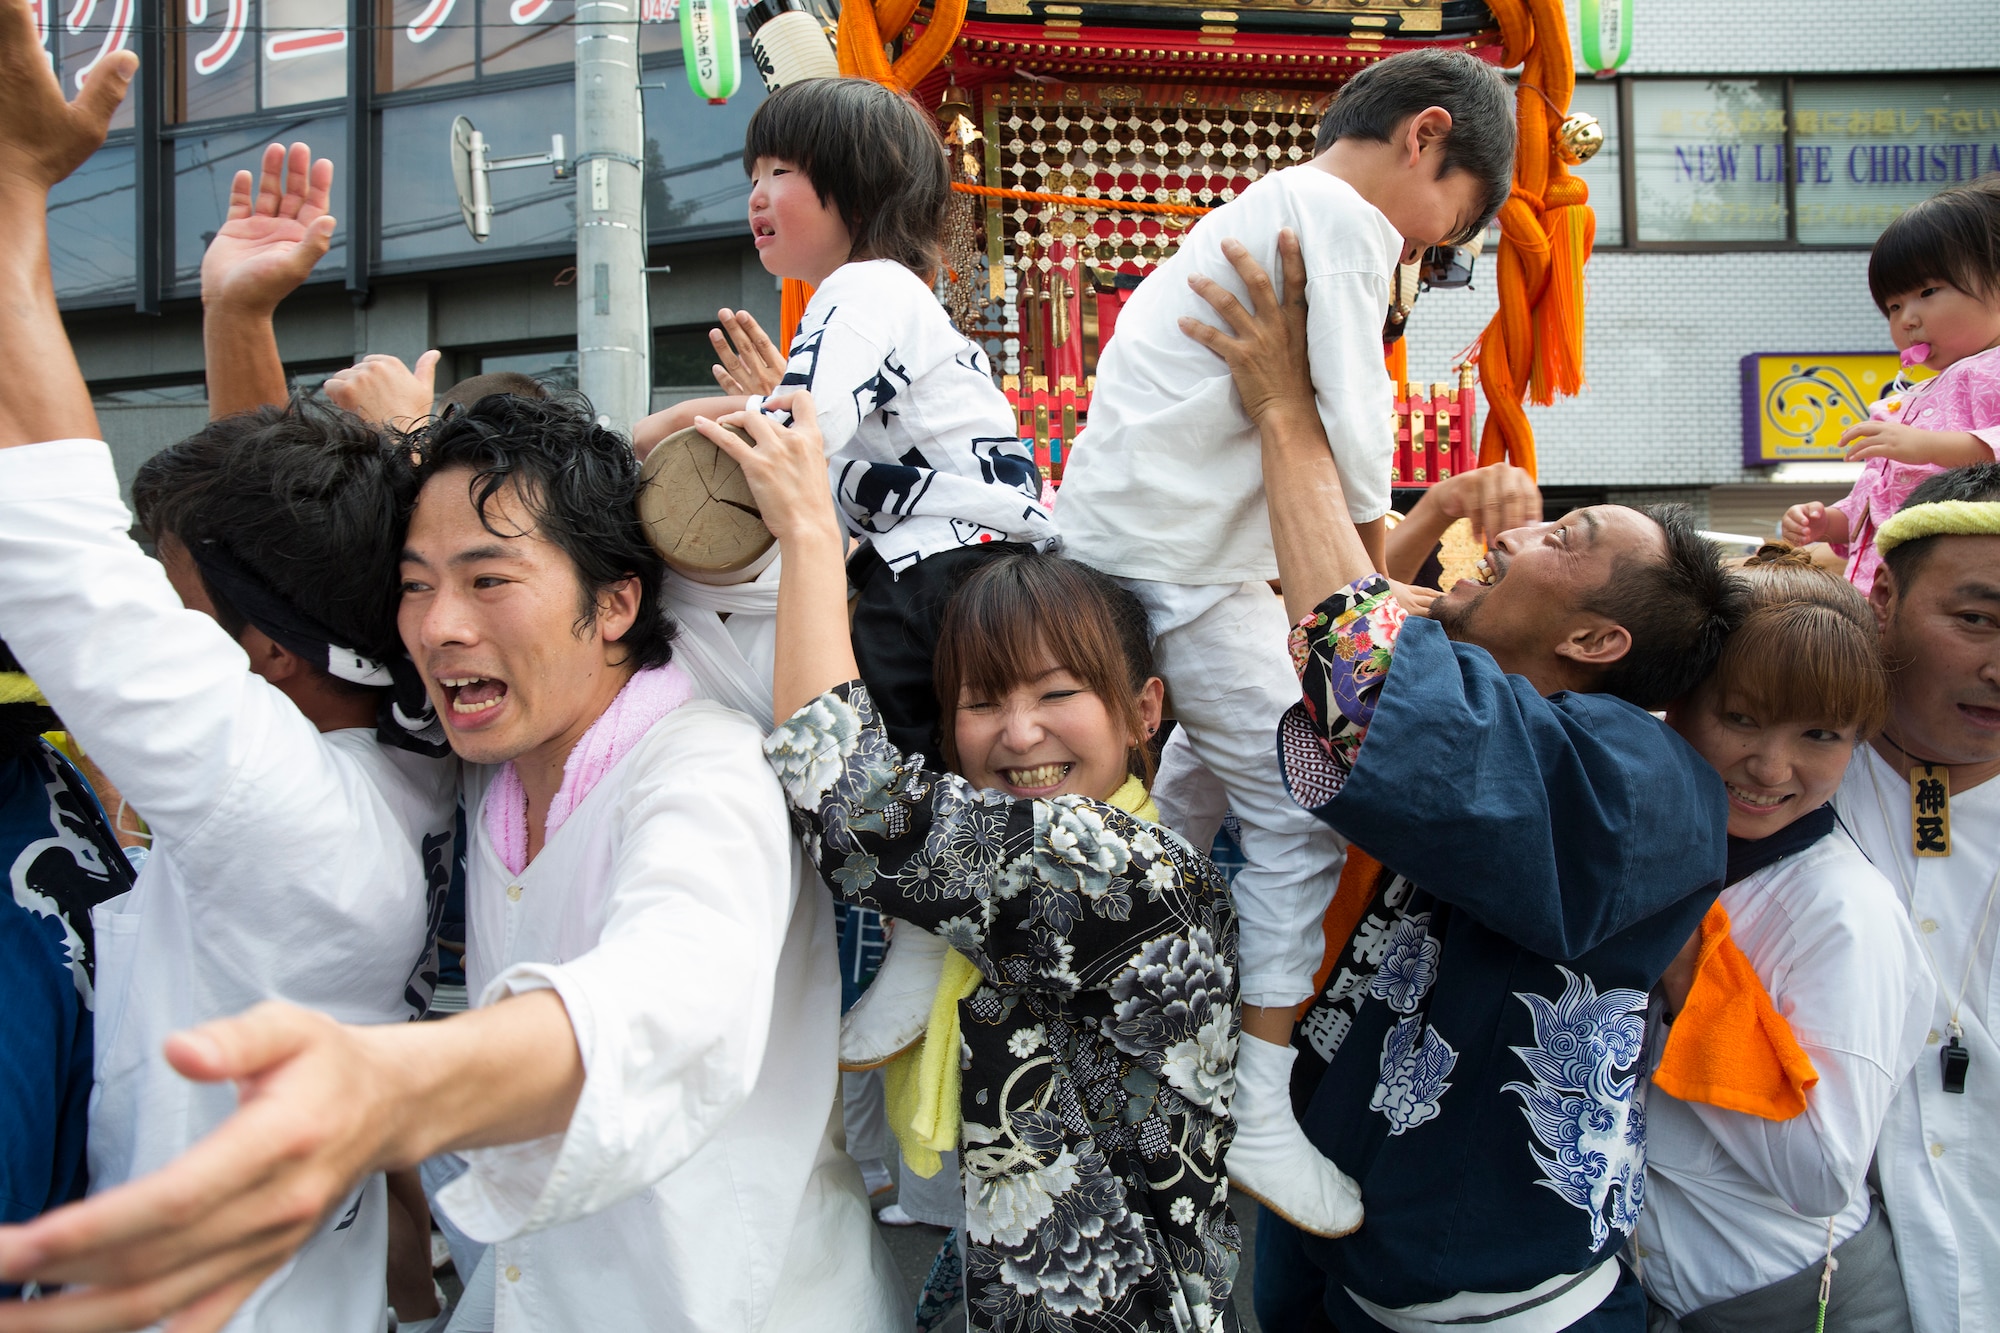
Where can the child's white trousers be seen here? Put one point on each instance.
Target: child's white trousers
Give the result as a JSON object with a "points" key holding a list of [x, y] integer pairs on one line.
{"points": [[1221, 648]]}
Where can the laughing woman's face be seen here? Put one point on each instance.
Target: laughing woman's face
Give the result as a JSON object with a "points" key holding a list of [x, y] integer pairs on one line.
{"points": [[1774, 771]]}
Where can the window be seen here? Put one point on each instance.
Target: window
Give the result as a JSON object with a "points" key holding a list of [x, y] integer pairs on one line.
{"points": [[525, 34], [303, 54], [92, 217], [431, 43], [295, 49], [79, 33], [681, 357], [1802, 161], [1603, 173], [1709, 158], [1868, 149], [554, 366], [694, 153], [425, 43], [420, 214], [204, 166]]}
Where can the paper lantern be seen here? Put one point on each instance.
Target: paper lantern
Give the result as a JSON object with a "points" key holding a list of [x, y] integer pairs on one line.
{"points": [[708, 45]]}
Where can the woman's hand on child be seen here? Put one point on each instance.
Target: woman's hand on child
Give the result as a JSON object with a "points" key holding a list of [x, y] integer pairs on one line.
{"points": [[1907, 444], [1266, 348], [785, 466], [748, 362]]}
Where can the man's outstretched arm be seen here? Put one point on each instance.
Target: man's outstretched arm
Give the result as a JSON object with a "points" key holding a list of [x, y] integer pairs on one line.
{"points": [[42, 139], [264, 249], [1319, 551], [320, 1106]]}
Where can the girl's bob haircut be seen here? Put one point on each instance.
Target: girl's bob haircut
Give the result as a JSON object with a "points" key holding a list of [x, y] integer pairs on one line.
{"points": [[1807, 650], [1953, 236], [871, 153], [1011, 616]]}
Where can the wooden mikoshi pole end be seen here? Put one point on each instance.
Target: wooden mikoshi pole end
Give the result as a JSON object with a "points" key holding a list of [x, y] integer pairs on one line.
{"points": [[698, 510]]}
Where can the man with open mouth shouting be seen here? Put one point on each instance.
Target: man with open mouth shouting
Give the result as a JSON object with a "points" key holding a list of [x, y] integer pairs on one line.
{"points": [[1547, 846], [654, 1043]]}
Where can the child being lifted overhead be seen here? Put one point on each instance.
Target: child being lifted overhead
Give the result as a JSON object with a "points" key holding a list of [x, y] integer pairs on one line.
{"points": [[1165, 491], [848, 186], [1935, 272]]}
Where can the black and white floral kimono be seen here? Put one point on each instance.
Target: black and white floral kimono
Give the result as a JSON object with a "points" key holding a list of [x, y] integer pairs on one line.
{"points": [[1100, 1050]]}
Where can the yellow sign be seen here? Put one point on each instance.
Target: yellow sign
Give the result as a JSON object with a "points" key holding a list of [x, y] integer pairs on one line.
{"points": [[1797, 405]]}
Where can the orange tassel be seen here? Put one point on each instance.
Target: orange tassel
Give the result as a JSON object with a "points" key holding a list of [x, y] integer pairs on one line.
{"points": [[1572, 228], [1396, 356]]}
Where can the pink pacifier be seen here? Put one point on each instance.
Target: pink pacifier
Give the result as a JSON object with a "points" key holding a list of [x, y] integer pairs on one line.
{"points": [[1916, 354]]}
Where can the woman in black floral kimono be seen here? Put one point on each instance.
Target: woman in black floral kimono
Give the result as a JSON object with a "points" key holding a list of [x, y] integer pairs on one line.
{"points": [[1101, 1043]]}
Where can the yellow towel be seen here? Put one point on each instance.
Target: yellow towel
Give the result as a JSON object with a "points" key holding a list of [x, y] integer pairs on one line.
{"points": [[920, 1086], [1731, 1047], [16, 688]]}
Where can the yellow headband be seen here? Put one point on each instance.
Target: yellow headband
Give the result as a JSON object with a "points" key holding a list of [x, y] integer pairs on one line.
{"points": [[1942, 518], [16, 688]]}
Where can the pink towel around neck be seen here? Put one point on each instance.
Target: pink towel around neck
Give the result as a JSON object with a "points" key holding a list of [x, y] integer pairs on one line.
{"points": [[649, 696]]}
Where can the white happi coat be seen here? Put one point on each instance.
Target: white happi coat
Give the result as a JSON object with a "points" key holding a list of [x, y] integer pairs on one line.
{"points": [[700, 1184], [1938, 1157], [287, 864]]}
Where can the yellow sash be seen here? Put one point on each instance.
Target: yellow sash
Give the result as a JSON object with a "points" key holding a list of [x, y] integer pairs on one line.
{"points": [[920, 1086]]}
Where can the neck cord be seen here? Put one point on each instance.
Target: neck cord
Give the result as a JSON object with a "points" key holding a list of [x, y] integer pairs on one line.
{"points": [[1919, 759], [1910, 903]]}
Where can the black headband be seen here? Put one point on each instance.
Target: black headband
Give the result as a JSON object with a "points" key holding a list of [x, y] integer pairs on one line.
{"points": [[405, 718]]}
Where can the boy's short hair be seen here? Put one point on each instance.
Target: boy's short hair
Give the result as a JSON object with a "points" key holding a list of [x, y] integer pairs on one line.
{"points": [[310, 498], [1953, 236], [1481, 142], [469, 391], [870, 152]]}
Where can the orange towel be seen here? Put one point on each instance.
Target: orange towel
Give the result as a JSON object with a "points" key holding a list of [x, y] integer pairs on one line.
{"points": [[1730, 1047]]}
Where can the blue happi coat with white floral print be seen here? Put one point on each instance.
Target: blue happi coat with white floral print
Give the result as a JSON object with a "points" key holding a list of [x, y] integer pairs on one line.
{"points": [[1100, 1048], [1475, 1055]]}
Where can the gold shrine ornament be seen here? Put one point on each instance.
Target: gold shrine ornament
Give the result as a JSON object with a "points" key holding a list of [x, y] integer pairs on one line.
{"points": [[1579, 138]]}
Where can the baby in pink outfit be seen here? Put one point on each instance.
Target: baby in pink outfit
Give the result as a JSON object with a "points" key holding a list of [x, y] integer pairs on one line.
{"points": [[1935, 272]]}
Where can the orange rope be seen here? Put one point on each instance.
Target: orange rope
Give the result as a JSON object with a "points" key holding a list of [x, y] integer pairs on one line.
{"points": [[1083, 203], [1533, 349]]}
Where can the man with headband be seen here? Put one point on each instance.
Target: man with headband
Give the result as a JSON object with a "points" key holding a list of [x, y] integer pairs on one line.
{"points": [[243, 699], [1921, 801]]}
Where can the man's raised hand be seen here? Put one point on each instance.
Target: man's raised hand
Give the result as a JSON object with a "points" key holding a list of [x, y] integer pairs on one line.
{"points": [[382, 391], [1497, 498], [273, 236], [1266, 346], [44, 137]]}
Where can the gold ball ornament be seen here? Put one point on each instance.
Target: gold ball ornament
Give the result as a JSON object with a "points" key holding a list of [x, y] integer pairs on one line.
{"points": [[1579, 138]]}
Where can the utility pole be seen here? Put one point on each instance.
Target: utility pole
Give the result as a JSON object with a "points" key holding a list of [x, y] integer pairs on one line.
{"points": [[613, 332]]}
